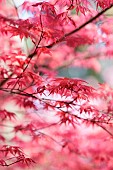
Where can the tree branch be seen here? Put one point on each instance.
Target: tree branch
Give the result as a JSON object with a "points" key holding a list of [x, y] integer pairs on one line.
{"points": [[81, 26], [74, 31]]}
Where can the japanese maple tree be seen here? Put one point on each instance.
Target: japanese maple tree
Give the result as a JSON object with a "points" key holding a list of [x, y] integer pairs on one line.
{"points": [[47, 121]]}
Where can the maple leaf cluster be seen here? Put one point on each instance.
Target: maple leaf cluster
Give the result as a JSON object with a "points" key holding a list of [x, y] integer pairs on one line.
{"points": [[47, 121]]}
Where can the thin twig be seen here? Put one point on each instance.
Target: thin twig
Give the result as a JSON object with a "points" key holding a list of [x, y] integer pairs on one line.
{"points": [[72, 32], [104, 129], [81, 26]]}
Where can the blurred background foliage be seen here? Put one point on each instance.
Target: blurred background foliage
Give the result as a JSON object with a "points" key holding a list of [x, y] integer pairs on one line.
{"points": [[93, 77]]}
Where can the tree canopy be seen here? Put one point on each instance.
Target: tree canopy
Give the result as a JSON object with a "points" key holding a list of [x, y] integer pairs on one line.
{"points": [[47, 121]]}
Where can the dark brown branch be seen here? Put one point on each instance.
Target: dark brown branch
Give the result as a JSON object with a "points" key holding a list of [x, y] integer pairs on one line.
{"points": [[5, 80], [30, 56], [104, 129], [81, 26], [89, 21], [74, 31]]}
